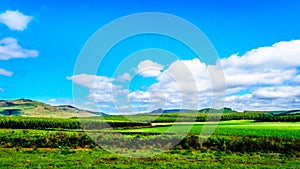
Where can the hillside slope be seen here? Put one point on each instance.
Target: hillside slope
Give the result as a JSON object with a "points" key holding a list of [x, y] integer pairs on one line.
{"points": [[26, 107]]}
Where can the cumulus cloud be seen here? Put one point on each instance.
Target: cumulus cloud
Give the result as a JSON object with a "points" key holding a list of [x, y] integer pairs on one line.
{"points": [[277, 92], [125, 77], [100, 87], [15, 20], [90, 81], [297, 79], [9, 49], [149, 68], [102, 91], [270, 74], [271, 99], [176, 87], [283, 54], [5, 72], [265, 78], [182, 83], [271, 65]]}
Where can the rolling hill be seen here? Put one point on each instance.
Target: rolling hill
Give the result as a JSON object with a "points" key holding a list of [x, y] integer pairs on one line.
{"points": [[205, 110], [26, 107]]}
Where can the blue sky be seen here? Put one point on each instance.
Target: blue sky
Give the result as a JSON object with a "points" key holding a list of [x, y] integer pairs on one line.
{"points": [[51, 34]]}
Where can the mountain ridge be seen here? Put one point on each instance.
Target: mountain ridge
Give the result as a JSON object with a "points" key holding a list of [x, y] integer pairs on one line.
{"points": [[27, 107]]}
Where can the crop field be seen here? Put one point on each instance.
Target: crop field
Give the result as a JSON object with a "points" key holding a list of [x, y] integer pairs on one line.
{"points": [[31, 142], [231, 128]]}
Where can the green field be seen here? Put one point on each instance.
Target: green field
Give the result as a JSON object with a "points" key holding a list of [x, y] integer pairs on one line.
{"points": [[31, 142], [232, 128], [98, 158]]}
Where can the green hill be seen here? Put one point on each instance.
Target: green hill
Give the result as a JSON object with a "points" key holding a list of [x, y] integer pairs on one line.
{"points": [[26, 107]]}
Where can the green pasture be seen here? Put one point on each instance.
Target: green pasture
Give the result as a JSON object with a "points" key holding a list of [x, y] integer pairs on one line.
{"points": [[61, 143], [228, 128], [98, 158]]}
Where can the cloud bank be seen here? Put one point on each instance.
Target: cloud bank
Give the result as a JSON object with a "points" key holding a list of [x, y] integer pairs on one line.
{"points": [[266, 78]]}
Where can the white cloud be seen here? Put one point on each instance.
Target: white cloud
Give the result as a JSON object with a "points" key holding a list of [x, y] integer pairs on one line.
{"points": [[284, 54], [125, 77], [181, 82], [270, 74], [277, 92], [139, 96], [15, 20], [53, 100], [266, 78], [297, 79], [9, 49], [2, 90], [89, 81], [102, 91], [100, 87], [5, 72], [149, 68], [265, 73], [265, 65], [177, 87], [60, 101], [247, 77], [266, 99], [238, 97]]}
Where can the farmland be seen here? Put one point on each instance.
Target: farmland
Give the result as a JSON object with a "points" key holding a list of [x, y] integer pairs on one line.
{"points": [[193, 139], [234, 144], [234, 128]]}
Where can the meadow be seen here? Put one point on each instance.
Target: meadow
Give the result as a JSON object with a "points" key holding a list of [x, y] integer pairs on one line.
{"points": [[231, 128], [98, 158], [240, 140]]}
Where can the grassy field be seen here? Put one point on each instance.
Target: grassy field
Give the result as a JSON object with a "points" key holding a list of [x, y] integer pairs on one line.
{"points": [[231, 128], [226, 128], [27, 142], [98, 158]]}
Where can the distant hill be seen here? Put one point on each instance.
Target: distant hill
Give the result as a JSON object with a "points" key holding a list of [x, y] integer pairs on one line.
{"points": [[212, 110], [205, 110], [26, 107], [287, 112], [160, 111]]}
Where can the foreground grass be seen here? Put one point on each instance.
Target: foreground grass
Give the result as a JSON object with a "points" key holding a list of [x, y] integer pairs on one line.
{"points": [[99, 158], [234, 144]]}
